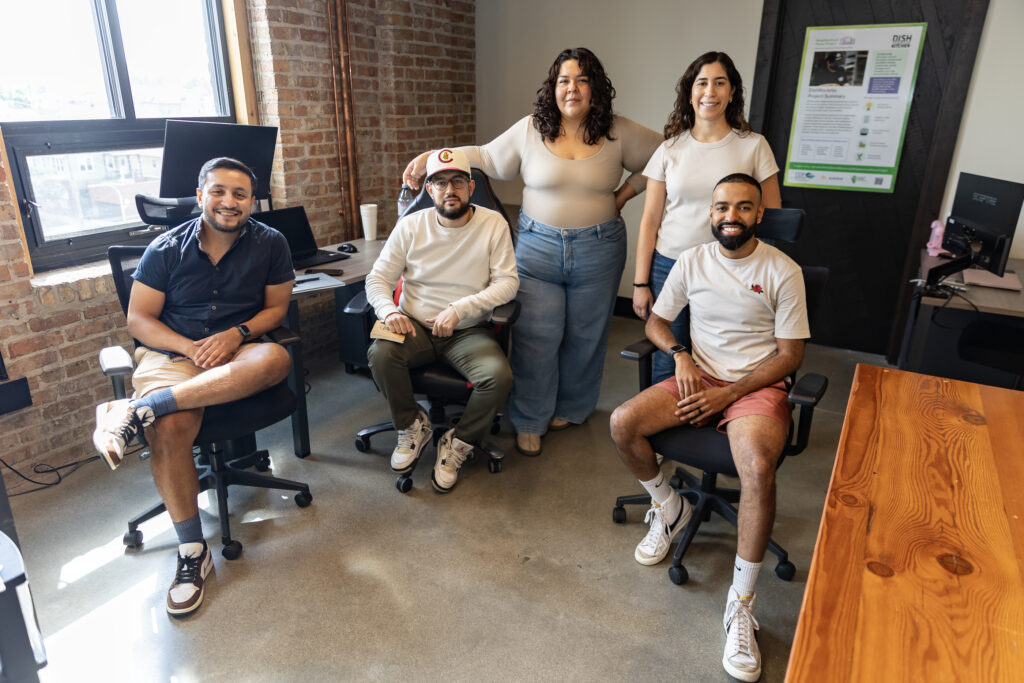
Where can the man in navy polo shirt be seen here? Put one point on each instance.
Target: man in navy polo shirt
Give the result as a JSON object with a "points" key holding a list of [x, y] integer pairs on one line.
{"points": [[203, 292]]}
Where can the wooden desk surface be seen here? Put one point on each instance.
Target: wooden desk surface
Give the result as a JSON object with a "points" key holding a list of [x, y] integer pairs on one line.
{"points": [[357, 267], [918, 570], [987, 299]]}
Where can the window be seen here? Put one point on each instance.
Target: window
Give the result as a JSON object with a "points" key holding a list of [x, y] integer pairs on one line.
{"points": [[83, 105]]}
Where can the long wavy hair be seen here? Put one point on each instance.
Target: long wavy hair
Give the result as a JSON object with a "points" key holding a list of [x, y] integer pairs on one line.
{"points": [[682, 116], [547, 119]]}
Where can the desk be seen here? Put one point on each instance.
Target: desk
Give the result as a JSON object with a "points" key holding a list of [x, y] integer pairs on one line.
{"points": [[916, 574], [987, 300], [350, 282]]}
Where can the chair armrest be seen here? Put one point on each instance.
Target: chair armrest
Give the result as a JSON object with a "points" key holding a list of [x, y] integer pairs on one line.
{"points": [[638, 349], [283, 336], [506, 314], [808, 390], [115, 361], [358, 305]]}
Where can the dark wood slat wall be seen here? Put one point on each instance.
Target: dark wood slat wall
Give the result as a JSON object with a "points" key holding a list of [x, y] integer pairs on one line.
{"points": [[870, 241]]}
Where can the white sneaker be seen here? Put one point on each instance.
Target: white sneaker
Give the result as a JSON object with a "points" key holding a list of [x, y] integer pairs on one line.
{"points": [[194, 565], [451, 453], [411, 441], [118, 423], [742, 658], [656, 543]]}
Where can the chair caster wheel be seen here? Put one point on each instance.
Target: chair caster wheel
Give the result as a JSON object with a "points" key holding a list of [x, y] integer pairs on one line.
{"points": [[232, 550], [494, 465], [678, 575], [263, 464], [303, 498], [362, 444], [132, 539], [619, 514], [403, 483], [785, 570]]}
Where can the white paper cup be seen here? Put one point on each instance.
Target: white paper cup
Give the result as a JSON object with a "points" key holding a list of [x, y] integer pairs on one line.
{"points": [[368, 212]]}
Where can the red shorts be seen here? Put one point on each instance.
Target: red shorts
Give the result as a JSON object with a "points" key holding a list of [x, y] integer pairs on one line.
{"points": [[771, 401]]}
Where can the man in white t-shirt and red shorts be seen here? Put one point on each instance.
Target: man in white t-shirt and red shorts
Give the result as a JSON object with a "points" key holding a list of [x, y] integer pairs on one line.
{"points": [[748, 323]]}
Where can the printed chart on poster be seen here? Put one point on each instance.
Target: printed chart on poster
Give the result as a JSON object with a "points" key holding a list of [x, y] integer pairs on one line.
{"points": [[852, 101]]}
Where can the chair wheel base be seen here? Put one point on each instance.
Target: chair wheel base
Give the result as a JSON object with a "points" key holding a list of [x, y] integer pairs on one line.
{"points": [[785, 570], [132, 538], [678, 575], [232, 550], [403, 483], [619, 514], [303, 498]]}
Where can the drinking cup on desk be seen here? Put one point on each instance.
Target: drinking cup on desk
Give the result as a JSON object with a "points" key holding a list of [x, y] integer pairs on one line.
{"points": [[368, 212]]}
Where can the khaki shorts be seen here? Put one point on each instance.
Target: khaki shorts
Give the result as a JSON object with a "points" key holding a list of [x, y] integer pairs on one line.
{"points": [[155, 370], [771, 401]]}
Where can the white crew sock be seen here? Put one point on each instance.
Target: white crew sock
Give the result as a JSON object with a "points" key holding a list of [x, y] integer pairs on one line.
{"points": [[744, 576], [663, 495]]}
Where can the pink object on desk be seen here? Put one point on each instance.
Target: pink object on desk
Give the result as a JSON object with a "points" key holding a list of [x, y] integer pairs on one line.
{"points": [[935, 241]]}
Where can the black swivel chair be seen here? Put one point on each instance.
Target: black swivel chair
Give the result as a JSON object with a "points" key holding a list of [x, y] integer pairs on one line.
{"points": [[705, 449], [226, 439], [441, 385]]}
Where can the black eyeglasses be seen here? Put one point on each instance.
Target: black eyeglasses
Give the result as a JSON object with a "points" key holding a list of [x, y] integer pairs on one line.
{"points": [[441, 184]]}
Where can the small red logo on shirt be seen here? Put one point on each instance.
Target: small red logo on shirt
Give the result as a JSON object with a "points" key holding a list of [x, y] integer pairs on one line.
{"points": [[756, 289]]}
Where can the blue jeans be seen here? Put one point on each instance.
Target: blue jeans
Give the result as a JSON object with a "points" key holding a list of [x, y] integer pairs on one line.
{"points": [[568, 280], [664, 367]]}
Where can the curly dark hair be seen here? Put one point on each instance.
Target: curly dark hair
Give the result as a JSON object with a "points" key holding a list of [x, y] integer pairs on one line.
{"points": [[682, 116], [547, 119]]}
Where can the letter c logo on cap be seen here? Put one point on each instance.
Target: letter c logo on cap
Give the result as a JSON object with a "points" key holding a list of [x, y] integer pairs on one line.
{"points": [[444, 156]]}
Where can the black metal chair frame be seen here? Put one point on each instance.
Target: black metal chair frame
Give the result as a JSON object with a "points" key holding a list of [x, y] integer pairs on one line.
{"points": [[226, 441], [707, 449]]}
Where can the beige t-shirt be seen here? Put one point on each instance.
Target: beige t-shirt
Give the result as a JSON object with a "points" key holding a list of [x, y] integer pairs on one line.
{"points": [[568, 193], [738, 307], [472, 268]]}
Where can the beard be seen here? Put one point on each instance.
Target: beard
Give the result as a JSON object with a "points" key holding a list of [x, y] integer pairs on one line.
{"points": [[213, 220], [453, 213], [732, 242]]}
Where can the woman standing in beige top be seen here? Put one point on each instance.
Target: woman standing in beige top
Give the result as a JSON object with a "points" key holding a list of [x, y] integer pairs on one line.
{"points": [[572, 242]]}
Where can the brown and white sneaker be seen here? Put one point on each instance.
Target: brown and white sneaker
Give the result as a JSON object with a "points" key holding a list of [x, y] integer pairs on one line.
{"points": [[118, 423], [186, 593]]}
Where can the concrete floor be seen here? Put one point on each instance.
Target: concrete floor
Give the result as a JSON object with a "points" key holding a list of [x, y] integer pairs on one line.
{"points": [[513, 576]]}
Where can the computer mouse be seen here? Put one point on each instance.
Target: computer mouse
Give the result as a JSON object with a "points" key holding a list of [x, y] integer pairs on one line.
{"points": [[348, 248]]}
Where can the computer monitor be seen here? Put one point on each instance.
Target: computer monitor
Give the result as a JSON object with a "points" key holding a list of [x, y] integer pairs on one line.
{"points": [[980, 229], [190, 144]]}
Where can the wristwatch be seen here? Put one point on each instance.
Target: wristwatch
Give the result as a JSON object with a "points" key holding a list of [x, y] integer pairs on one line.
{"points": [[244, 330], [678, 348]]}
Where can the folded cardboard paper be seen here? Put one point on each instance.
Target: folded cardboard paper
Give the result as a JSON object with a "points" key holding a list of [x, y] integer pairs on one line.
{"points": [[381, 331]]}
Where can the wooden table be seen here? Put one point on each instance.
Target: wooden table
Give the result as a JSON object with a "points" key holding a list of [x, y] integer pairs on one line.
{"points": [[918, 570]]}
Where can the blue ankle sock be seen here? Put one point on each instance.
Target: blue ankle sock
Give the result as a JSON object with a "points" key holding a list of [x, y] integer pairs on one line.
{"points": [[190, 530], [160, 402]]}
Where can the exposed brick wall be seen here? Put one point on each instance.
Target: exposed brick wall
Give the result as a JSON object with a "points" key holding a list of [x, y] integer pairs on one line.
{"points": [[51, 335], [413, 89], [413, 84]]}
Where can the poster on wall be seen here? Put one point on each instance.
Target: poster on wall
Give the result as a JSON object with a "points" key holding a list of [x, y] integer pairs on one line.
{"points": [[852, 102]]}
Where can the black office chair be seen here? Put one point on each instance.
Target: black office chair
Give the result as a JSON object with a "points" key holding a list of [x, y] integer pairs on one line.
{"points": [[995, 345], [439, 383], [226, 439], [704, 448]]}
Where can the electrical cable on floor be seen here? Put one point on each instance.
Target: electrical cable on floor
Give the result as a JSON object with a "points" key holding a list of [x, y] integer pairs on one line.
{"points": [[43, 468]]}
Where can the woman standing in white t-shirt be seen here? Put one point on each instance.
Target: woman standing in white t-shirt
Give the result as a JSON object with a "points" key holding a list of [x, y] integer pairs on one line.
{"points": [[706, 139]]}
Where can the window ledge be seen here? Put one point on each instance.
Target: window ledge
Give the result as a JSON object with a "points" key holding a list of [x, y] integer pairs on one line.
{"points": [[72, 274]]}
